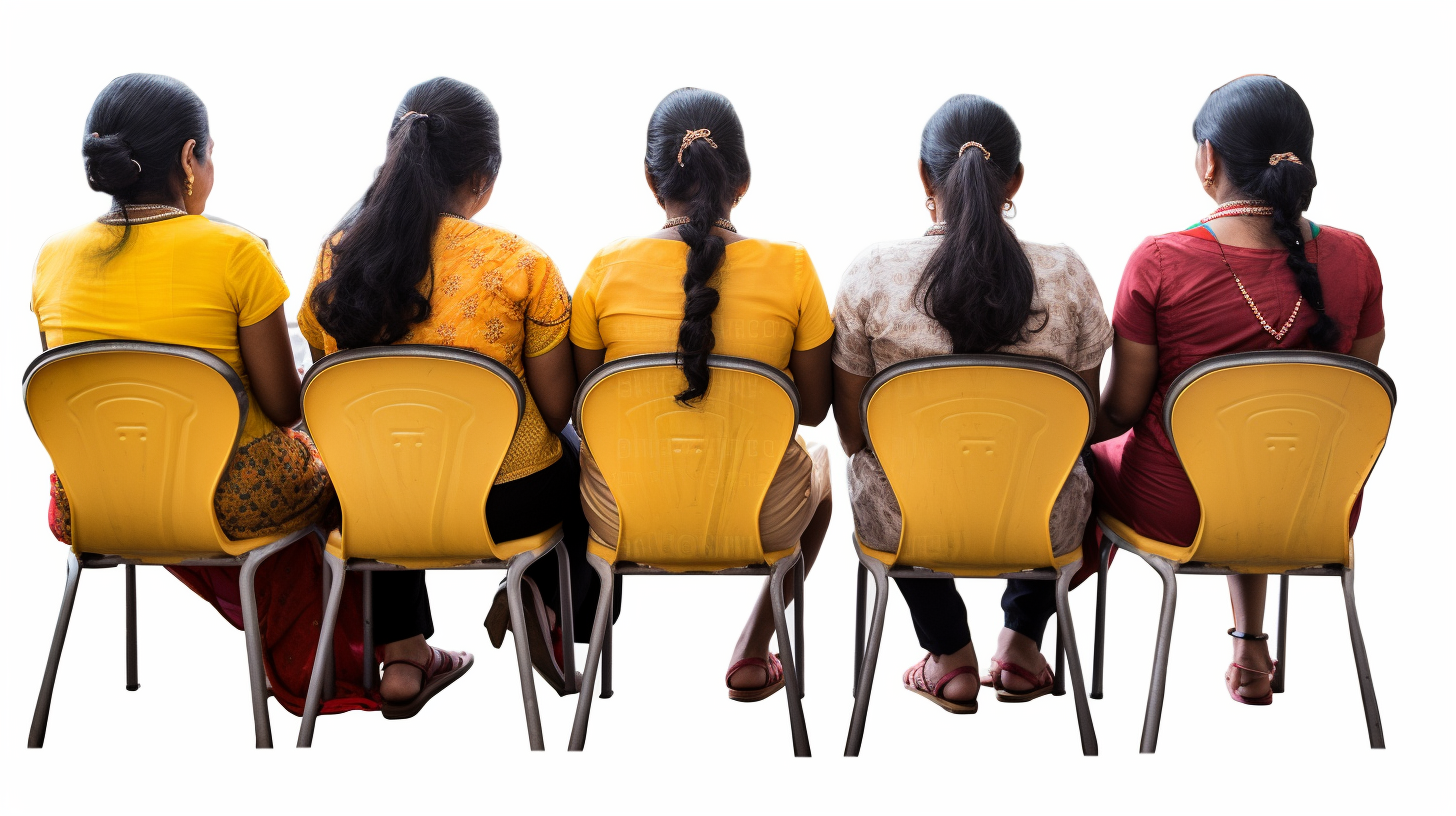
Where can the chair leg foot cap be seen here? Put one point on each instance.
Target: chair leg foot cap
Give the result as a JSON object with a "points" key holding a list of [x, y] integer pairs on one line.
{"points": [[133, 686]]}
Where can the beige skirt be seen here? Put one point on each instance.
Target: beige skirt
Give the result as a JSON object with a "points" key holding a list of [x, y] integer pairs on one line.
{"points": [[797, 489]]}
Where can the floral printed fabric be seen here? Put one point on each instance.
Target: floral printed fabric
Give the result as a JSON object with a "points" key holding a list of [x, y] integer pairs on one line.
{"points": [[493, 292], [876, 324]]}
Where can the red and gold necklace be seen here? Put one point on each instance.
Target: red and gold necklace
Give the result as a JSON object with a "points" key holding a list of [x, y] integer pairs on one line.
{"points": [[1283, 330], [1247, 206]]}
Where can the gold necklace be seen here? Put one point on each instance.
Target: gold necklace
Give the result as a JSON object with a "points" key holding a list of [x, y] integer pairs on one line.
{"points": [[123, 216], [721, 223], [1283, 330]]}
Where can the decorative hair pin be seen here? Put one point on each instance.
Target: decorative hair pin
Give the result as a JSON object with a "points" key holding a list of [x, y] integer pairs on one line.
{"points": [[694, 135], [976, 145], [416, 114], [1279, 157]]}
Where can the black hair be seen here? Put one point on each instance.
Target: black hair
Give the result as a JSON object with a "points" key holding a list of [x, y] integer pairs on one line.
{"points": [[978, 283], [133, 141], [705, 182], [1248, 122], [443, 134]]}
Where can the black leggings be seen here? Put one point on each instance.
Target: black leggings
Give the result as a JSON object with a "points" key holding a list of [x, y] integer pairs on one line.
{"points": [[939, 613], [514, 509]]}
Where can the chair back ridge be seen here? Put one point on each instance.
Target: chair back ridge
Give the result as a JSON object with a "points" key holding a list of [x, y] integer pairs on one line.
{"points": [[688, 481], [139, 434], [1278, 446], [413, 437], [976, 448]]}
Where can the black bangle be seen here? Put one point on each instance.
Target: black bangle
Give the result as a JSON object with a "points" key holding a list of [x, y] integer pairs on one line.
{"points": [[1246, 636]]}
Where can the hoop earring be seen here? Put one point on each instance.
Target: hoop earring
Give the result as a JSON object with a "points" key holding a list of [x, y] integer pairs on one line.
{"points": [[930, 203], [1009, 208]]}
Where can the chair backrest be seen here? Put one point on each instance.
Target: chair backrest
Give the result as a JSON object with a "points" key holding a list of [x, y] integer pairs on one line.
{"points": [[413, 437], [688, 481], [139, 434], [976, 448], [1278, 444]]}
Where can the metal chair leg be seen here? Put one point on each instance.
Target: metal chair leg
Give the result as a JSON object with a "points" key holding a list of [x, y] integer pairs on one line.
{"points": [[1362, 662], [318, 678], [257, 676], [567, 618], [786, 651], [593, 652], [607, 661], [1103, 557], [515, 570], [1067, 644], [1276, 684], [327, 654], [131, 629], [1154, 714], [371, 666], [871, 655], [1059, 677], [53, 661], [859, 623], [799, 573]]}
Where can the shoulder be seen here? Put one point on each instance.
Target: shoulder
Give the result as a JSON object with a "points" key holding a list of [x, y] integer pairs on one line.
{"points": [[1053, 259], [507, 246], [83, 236], [220, 234], [1343, 240]]}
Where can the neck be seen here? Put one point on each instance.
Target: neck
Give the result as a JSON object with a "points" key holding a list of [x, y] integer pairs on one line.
{"points": [[674, 209]]}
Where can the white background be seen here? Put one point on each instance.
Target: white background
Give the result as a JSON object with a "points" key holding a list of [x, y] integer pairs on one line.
{"points": [[833, 98]]}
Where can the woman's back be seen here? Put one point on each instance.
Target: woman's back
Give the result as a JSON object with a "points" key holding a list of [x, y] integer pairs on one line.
{"points": [[184, 280], [630, 300]]}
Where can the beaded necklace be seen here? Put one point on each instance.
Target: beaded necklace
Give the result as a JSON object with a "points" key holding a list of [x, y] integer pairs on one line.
{"points": [[721, 223], [1247, 206], [123, 216], [1277, 335], [938, 228]]}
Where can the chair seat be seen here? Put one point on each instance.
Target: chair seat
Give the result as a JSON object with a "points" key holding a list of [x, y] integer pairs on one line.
{"points": [[1172, 552], [503, 551], [608, 554], [891, 560]]}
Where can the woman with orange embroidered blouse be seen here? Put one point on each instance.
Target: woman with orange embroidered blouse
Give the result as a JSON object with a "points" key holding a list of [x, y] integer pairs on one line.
{"points": [[408, 266]]}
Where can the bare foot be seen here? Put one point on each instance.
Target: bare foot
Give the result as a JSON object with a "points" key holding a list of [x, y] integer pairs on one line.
{"points": [[962, 688], [1014, 647], [401, 682], [1255, 655]]}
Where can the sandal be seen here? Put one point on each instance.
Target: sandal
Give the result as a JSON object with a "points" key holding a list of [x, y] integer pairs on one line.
{"points": [[443, 669], [1232, 682], [915, 682], [772, 667], [547, 660], [1043, 681]]}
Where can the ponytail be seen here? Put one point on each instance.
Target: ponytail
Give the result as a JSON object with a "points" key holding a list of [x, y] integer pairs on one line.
{"points": [[445, 134], [1261, 129], [978, 284], [702, 174]]}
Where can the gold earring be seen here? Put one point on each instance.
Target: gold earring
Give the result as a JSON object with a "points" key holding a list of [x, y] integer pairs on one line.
{"points": [[1208, 182], [737, 199], [930, 203], [189, 185]]}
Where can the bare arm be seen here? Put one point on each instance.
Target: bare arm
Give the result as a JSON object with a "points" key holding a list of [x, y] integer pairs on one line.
{"points": [[814, 377], [1129, 389], [1093, 378], [587, 361], [317, 353], [848, 388], [268, 360], [552, 380], [1368, 348]]}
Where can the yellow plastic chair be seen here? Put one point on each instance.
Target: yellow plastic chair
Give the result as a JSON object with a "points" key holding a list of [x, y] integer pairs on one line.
{"points": [[689, 482], [140, 434], [1278, 445], [976, 448], [413, 436]]}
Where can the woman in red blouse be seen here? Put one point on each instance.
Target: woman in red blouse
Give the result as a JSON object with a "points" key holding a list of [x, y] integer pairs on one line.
{"points": [[1303, 286]]}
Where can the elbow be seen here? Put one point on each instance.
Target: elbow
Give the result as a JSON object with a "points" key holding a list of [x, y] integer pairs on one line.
{"points": [[286, 418], [812, 415]]}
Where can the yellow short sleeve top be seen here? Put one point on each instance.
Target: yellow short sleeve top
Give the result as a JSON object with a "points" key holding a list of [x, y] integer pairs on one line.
{"points": [[493, 292], [184, 280], [630, 300]]}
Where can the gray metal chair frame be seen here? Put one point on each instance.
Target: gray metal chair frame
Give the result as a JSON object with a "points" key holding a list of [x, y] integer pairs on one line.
{"points": [[249, 562], [866, 655], [515, 567], [600, 649], [1169, 571]]}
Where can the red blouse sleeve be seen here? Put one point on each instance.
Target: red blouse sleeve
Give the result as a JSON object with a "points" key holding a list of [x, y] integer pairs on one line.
{"points": [[1133, 314], [1372, 313]]}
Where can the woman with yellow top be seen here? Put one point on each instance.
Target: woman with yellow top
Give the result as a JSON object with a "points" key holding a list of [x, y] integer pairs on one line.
{"points": [[697, 287], [155, 269], [407, 265]]}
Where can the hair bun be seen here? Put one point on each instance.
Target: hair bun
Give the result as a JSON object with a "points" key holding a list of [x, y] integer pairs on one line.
{"points": [[110, 167]]}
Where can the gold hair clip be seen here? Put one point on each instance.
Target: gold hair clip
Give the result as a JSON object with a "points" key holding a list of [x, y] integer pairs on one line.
{"points": [[694, 135], [976, 145], [1279, 157], [408, 114]]}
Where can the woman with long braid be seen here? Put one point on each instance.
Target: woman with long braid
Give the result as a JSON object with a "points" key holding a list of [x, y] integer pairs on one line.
{"points": [[1254, 274], [697, 287]]}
